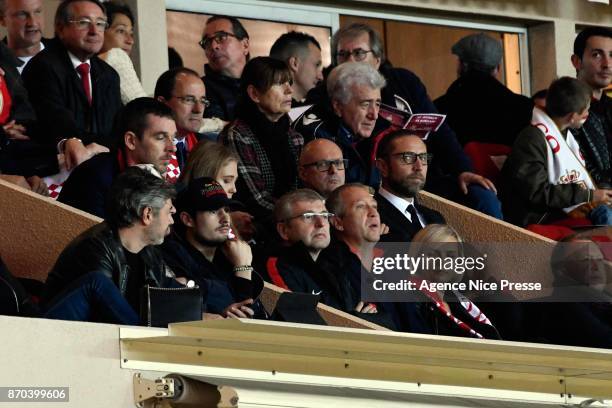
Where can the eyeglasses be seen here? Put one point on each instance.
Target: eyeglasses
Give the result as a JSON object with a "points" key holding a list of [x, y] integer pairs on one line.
{"points": [[309, 217], [85, 23], [190, 100], [324, 165], [219, 37], [358, 54], [408, 158]]}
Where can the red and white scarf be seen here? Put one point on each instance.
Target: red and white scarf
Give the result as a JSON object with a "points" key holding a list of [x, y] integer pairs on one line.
{"points": [[564, 160]]}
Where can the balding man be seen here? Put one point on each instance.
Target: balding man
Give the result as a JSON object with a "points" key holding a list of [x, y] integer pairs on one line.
{"points": [[321, 166]]}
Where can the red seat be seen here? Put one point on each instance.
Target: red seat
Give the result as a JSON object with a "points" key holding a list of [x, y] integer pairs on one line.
{"points": [[480, 155], [554, 232]]}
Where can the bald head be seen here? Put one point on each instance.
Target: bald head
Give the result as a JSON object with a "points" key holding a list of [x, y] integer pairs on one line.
{"points": [[321, 166]]}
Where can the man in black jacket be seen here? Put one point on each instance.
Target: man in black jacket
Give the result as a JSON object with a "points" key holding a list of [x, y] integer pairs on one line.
{"points": [[593, 62], [226, 44], [478, 107], [450, 174], [203, 251], [74, 93], [24, 23], [122, 248], [145, 131], [402, 159], [310, 264]]}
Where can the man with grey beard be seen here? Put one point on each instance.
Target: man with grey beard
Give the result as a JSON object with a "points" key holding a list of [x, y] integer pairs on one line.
{"points": [[402, 160]]}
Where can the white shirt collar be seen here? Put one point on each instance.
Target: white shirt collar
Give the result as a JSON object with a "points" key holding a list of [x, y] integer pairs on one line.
{"points": [[398, 202], [76, 62], [401, 204]]}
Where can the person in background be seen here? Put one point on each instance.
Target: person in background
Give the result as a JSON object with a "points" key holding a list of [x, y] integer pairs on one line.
{"points": [[267, 148], [302, 54], [24, 23], [117, 47], [182, 90], [501, 113], [226, 45], [592, 60]]}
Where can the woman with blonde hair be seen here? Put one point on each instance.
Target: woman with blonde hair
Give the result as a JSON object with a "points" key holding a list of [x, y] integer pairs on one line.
{"points": [[212, 159], [444, 312]]}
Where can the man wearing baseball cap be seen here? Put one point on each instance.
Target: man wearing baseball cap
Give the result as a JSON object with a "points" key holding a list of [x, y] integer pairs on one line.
{"points": [[478, 106], [204, 249]]}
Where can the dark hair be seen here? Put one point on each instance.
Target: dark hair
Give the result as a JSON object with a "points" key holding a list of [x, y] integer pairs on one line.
{"points": [[174, 58], [167, 81], [237, 26], [134, 190], [114, 7], [133, 118], [354, 30], [291, 44], [262, 73], [541, 94], [384, 145], [567, 95], [62, 15], [583, 36]]}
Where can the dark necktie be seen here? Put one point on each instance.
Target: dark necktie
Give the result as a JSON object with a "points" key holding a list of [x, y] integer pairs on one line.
{"points": [[181, 154], [83, 70], [414, 218]]}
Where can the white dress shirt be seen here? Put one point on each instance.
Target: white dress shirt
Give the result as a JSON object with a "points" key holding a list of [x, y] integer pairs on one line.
{"points": [[402, 204]]}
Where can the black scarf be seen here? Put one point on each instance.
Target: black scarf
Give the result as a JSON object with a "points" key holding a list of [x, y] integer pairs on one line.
{"points": [[274, 139]]}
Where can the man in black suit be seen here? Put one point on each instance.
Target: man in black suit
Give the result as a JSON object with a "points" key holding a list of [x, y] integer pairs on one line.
{"points": [[402, 159], [74, 93]]}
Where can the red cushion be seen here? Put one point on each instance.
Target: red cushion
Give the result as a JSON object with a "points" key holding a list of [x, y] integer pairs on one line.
{"points": [[572, 222], [480, 155], [551, 231]]}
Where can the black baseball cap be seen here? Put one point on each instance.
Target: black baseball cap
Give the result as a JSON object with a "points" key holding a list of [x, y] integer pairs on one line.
{"points": [[205, 194]]}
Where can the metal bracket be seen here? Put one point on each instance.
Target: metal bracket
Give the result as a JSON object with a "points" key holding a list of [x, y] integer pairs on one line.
{"points": [[145, 390]]}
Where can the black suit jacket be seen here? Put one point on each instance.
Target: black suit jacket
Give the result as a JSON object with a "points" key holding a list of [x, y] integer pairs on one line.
{"points": [[59, 100], [400, 229]]}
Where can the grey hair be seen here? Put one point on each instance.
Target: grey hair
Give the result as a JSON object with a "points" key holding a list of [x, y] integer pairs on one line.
{"points": [[355, 30], [342, 79], [284, 206], [335, 202], [134, 190]]}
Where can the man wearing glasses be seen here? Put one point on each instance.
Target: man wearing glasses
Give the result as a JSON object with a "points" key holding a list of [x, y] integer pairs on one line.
{"points": [[451, 175], [182, 90], [309, 264], [402, 159], [74, 93], [349, 119], [321, 166], [226, 45]]}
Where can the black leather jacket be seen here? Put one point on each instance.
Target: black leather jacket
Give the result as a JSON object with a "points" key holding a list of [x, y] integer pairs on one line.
{"points": [[99, 249]]}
